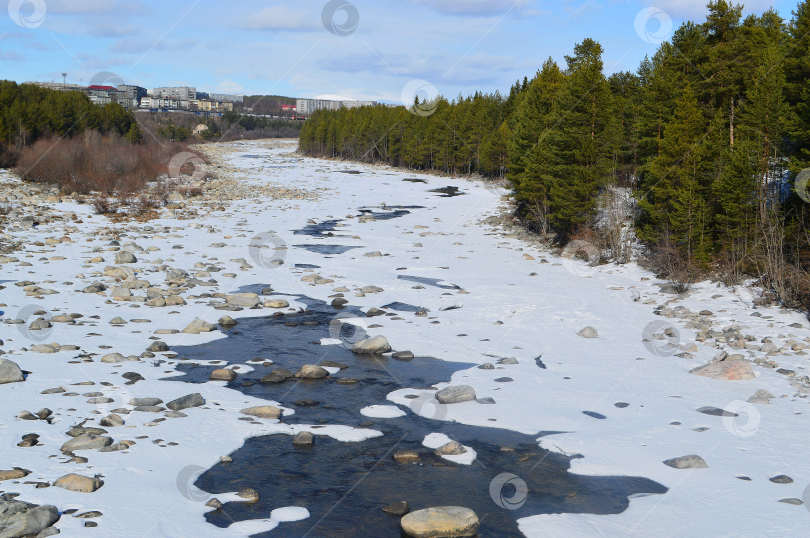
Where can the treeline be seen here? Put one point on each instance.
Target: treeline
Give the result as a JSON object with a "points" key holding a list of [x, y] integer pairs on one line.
{"points": [[29, 113], [463, 136], [266, 104], [705, 139]]}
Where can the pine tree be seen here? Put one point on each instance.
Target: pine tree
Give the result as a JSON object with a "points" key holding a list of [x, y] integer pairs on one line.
{"points": [[532, 119], [582, 139], [134, 135], [673, 201]]}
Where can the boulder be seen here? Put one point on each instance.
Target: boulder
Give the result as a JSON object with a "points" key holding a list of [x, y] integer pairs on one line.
{"points": [[441, 522], [249, 494], [371, 346], [112, 421], [311, 371], [125, 256], [456, 394], [406, 455], [303, 439], [453, 448], [227, 321], [588, 332], [731, 370], [262, 411], [44, 348], [113, 358], [243, 299], [223, 374], [86, 441], [184, 402], [145, 401], [397, 509], [276, 303], [76, 482], [18, 518], [14, 474], [158, 347], [10, 372], [687, 462]]}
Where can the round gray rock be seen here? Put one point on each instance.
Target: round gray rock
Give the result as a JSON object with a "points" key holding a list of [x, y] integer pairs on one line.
{"points": [[441, 522]]}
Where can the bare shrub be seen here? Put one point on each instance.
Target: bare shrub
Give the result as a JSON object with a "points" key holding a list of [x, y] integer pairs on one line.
{"points": [[190, 191], [91, 162], [103, 205], [674, 266]]}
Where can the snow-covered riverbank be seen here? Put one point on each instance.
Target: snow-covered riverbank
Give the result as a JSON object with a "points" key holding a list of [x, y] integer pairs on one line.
{"points": [[488, 297]]}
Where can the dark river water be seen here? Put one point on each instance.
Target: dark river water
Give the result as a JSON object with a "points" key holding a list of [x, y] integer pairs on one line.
{"points": [[345, 485]]}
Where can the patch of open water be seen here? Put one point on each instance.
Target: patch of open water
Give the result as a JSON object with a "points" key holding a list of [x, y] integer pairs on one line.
{"points": [[345, 485]]}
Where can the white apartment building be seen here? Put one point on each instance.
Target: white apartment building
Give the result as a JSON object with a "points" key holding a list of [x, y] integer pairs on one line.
{"points": [[308, 106], [186, 93]]}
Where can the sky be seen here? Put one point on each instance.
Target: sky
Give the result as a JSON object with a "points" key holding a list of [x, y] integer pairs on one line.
{"points": [[353, 49]]}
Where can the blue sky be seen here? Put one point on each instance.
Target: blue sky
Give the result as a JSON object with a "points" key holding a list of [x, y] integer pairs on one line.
{"points": [[265, 47]]}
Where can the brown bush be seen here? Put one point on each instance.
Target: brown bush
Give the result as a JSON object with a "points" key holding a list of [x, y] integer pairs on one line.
{"points": [[673, 265], [103, 205], [91, 162], [190, 191]]}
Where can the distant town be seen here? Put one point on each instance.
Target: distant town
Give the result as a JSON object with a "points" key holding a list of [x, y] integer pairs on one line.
{"points": [[188, 99]]}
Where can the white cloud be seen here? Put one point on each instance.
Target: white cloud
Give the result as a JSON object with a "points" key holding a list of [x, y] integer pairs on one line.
{"points": [[282, 18]]}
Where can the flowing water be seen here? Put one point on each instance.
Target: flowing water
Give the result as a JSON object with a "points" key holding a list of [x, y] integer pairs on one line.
{"points": [[345, 485]]}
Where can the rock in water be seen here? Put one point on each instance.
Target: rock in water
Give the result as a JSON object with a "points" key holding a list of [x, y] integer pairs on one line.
{"points": [[227, 321], [223, 374], [457, 394], [262, 411], [441, 522], [10, 372], [731, 370], [371, 346], [249, 494], [18, 518], [398, 509], [303, 439], [588, 332], [184, 402], [687, 462], [199, 326], [453, 448], [311, 371], [75, 482]]}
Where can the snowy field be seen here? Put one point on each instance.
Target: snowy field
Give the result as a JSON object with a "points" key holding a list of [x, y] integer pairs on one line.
{"points": [[508, 304]]}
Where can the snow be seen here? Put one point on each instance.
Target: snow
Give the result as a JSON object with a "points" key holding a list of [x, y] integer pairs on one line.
{"points": [[382, 411], [146, 490], [435, 440]]}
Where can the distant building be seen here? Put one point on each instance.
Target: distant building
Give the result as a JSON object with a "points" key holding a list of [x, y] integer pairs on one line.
{"points": [[308, 106], [203, 95], [226, 97], [59, 86], [291, 108], [175, 92], [357, 104], [134, 93]]}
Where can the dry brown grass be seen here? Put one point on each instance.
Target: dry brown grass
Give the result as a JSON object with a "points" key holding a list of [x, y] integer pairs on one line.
{"points": [[95, 163]]}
